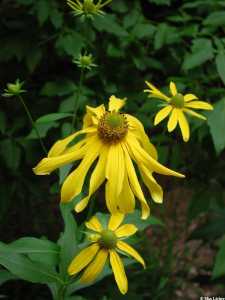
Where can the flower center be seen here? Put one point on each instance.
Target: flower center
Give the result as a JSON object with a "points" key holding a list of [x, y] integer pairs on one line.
{"points": [[108, 239], [177, 100], [88, 7], [112, 127]]}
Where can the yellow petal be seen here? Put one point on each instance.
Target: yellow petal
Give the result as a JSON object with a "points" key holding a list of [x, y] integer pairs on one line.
{"points": [[199, 105], [189, 97], [115, 221], [94, 224], [136, 188], [60, 146], [162, 114], [49, 164], [126, 230], [184, 126], [126, 200], [83, 259], [154, 92], [138, 129], [97, 178], [154, 188], [73, 184], [142, 157], [173, 88], [115, 104], [95, 268], [96, 111], [194, 114], [115, 174], [119, 272], [173, 119], [131, 251]]}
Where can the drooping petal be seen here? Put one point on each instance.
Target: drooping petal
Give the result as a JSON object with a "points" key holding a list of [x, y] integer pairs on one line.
{"points": [[94, 224], [154, 188], [73, 184], [136, 188], [95, 268], [115, 170], [189, 97], [194, 114], [49, 164], [173, 88], [138, 130], [126, 200], [115, 221], [126, 230], [199, 105], [97, 178], [60, 146], [115, 104], [83, 259], [131, 251], [173, 119], [184, 126], [142, 157], [119, 272], [93, 114], [162, 114], [154, 92]]}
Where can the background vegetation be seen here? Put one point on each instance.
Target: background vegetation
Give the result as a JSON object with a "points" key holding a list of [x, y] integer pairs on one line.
{"points": [[155, 40]]}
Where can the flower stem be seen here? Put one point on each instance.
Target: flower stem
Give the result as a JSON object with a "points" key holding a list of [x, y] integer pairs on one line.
{"points": [[32, 123], [76, 102], [61, 293]]}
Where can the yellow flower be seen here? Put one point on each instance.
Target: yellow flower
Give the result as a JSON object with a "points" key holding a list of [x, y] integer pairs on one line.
{"points": [[87, 8], [105, 244], [115, 140], [176, 106]]}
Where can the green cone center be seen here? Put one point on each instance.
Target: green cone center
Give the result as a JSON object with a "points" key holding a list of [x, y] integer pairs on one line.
{"points": [[177, 100], [88, 6], [108, 239], [114, 120]]}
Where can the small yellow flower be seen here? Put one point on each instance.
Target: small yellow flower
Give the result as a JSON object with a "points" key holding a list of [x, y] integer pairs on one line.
{"points": [[106, 244], [116, 141], [176, 105], [87, 8]]}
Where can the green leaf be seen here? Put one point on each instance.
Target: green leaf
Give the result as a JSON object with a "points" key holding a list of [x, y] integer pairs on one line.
{"points": [[70, 43], [39, 250], [56, 18], [220, 65], [24, 268], [109, 25], [165, 34], [202, 51], [6, 276], [2, 122], [219, 267], [135, 218], [52, 117], [43, 129], [143, 30], [43, 9], [216, 121], [67, 241], [217, 18], [58, 88]]}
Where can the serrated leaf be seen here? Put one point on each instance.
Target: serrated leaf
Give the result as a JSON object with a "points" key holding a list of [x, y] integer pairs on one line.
{"points": [[220, 65], [109, 25], [70, 43], [216, 121], [202, 51], [52, 117], [58, 88]]}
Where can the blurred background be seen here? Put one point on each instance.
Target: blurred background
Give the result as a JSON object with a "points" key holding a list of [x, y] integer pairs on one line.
{"points": [[138, 40]]}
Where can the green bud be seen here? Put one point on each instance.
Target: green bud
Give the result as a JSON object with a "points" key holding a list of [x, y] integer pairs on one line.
{"points": [[14, 89]]}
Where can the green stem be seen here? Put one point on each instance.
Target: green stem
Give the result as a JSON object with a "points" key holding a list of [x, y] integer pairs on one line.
{"points": [[61, 293], [76, 102], [32, 123]]}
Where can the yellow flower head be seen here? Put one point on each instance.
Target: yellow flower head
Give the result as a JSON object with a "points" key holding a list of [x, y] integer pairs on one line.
{"points": [[87, 8], [176, 106], [114, 142], [105, 244]]}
